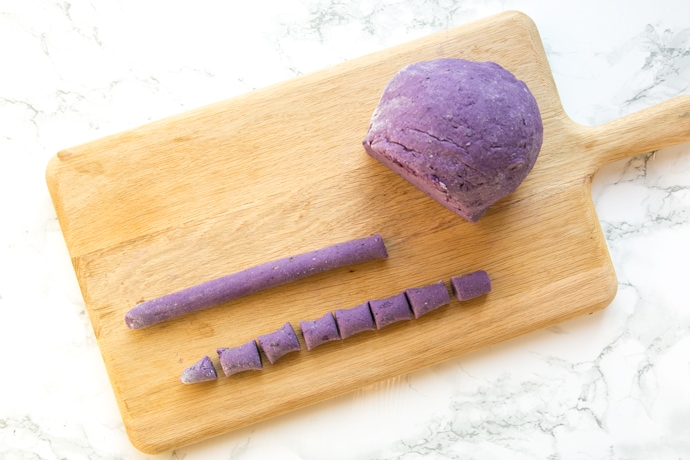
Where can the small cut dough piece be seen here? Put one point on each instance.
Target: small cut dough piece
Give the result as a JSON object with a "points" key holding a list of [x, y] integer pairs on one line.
{"points": [[471, 285], [278, 343], [201, 371], [390, 310], [239, 359], [354, 320], [427, 298], [319, 331]]}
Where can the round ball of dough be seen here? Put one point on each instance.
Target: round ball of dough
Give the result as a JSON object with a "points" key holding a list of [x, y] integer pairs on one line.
{"points": [[466, 133]]}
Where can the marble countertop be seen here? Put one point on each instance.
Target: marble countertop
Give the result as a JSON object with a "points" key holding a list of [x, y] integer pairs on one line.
{"points": [[614, 384]]}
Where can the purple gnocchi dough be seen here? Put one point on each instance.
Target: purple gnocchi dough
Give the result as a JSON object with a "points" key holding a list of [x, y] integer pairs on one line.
{"points": [[255, 279], [319, 331], [239, 359], [201, 371], [390, 310], [471, 285], [354, 320], [427, 298], [465, 133], [279, 343]]}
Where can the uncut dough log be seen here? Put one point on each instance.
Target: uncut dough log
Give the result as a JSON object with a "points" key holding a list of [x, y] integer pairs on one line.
{"points": [[255, 279], [466, 133]]}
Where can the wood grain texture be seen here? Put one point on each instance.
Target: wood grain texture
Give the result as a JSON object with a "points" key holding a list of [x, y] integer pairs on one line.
{"points": [[281, 171]]}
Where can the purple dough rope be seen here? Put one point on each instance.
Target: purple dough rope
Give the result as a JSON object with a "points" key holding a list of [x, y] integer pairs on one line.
{"points": [[255, 279]]}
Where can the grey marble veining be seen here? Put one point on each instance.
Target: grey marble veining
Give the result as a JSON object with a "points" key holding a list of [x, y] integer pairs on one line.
{"points": [[611, 385]]}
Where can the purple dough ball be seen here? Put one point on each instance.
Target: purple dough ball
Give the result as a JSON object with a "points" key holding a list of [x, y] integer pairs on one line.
{"points": [[239, 359], [466, 133], [471, 285], [279, 343], [319, 331], [427, 298], [201, 371], [354, 320], [390, 310]]}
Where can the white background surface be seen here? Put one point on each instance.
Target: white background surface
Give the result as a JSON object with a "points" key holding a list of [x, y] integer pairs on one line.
{"points": [[614, 384]]}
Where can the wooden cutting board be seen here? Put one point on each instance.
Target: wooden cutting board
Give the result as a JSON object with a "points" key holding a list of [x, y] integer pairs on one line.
{"points": [[280, 171]]}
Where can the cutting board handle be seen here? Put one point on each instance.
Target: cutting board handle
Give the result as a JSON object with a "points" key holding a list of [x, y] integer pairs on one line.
{"points": [[661, 125]]}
